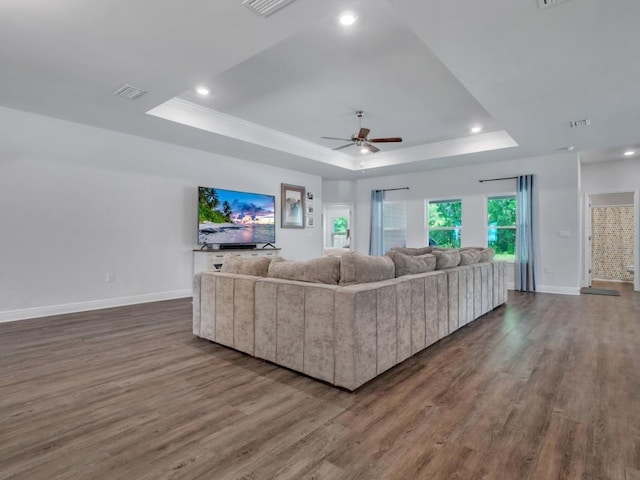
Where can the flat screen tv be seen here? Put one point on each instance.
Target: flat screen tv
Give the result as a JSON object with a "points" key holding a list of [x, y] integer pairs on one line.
{"points": [[227, 217]]}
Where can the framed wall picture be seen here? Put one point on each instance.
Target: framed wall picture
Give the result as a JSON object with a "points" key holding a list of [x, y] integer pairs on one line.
{"points": [[310, 208], [310, 196], [311, 222], [292, 212]]}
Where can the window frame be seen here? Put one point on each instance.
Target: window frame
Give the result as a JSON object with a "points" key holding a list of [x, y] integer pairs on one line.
{"points": [[514, 227], [429, 229]]}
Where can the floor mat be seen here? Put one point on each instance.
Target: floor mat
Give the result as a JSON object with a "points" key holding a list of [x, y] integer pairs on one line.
{"points": [[600, 291]]}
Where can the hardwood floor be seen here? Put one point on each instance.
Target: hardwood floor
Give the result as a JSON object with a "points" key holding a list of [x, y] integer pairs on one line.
{"points": [[546, 387]]}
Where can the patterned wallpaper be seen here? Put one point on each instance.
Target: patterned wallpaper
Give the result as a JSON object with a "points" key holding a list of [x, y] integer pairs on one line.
{"points": [[612, 242]]}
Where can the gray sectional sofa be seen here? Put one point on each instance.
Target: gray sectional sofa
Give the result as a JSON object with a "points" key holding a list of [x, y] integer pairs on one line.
{"points": [[344, 334]]}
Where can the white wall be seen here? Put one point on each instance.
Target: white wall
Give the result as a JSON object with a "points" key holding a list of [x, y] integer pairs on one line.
{"points": [[614, 177], [78, 202], [557, 182]]}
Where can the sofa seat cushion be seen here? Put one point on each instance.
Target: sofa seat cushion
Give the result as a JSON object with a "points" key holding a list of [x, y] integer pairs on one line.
{"points": [[446, 258], [358, 268], [256, 266], [318, 270], [411, 264]]}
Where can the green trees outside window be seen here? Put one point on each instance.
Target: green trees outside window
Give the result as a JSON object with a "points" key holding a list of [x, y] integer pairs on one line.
{"points": [[501, 213], [445, 223]]}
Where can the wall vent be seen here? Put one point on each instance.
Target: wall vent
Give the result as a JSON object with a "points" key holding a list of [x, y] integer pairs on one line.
{"points": [[581, 123], [549, 3], [264, 8], [127, 91]]}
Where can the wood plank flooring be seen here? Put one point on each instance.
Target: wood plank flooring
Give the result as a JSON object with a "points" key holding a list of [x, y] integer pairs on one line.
{"points": [[546, 387]]}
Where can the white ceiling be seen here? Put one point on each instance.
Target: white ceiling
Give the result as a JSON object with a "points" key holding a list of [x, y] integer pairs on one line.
{"points": [[426, 70]]}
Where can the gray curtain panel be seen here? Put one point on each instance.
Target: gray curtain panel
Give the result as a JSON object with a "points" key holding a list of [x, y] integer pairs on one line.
{"points": [[525, 264], [376, 237]]}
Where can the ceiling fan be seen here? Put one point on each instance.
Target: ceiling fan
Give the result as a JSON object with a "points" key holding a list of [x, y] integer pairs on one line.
{"points": [[362, 139]]}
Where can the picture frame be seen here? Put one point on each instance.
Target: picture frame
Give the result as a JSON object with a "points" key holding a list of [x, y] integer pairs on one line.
{"points": [[310, 196], [310, 208], [292, 198], [310, 222]]}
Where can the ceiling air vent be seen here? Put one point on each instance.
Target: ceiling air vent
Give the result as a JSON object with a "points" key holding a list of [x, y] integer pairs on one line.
{"points": [[549, 3], [264, 8], [581, 123], [127, 91]]}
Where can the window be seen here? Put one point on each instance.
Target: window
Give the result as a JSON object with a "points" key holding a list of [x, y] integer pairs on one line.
{"points": [[445, 223], [501, 213], [394, 218]]}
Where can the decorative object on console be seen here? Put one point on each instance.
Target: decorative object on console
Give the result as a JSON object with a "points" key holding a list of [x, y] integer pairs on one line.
{"points": [[292, 214]]}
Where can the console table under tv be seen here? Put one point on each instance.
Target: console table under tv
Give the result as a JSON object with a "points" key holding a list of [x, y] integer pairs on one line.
{"points": [[204, 260]]}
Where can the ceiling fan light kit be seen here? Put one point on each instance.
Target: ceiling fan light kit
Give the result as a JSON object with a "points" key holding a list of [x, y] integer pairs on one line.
{"points": [[362, 140]]}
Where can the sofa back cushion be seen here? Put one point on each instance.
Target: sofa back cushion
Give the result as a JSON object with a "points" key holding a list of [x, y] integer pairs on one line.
{"points": [[412, 251], [446, 258], [317, 270], [359, 268], [486, 253], [256, 266], [469, 257], [411, 264]]}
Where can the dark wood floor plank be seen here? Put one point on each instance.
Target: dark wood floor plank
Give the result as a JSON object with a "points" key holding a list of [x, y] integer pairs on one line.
{"points": [[546, 387]]}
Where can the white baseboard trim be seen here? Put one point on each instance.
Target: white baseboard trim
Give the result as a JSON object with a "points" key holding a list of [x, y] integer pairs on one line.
{"points": [[558, 290], [47, 311]]}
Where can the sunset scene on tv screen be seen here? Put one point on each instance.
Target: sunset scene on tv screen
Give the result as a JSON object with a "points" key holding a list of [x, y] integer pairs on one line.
{"points": [[226, 216]]}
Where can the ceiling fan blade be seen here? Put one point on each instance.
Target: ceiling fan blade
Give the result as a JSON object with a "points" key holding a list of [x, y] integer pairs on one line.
{"points": [[336, 138], [345, 146], [362, 134], [385, 140], [370, 147]]}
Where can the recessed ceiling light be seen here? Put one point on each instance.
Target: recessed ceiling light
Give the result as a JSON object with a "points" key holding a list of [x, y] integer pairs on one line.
{"points": [[629, 153], [348, 18], [203, 91], [476, 129]]}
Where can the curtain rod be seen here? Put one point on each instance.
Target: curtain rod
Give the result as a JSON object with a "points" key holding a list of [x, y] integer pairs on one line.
{"points": [[392, 189], [496, 179]]}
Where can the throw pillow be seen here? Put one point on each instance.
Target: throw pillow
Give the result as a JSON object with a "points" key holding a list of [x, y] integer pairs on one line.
{"points": [[446, 258], [256, 266], [412, 251], [359, 268], [411, 264], [317, 270]]}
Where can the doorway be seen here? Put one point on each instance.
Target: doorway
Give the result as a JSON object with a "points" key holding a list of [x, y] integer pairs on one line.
{"points": [[338, 236], [612, 237]]}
